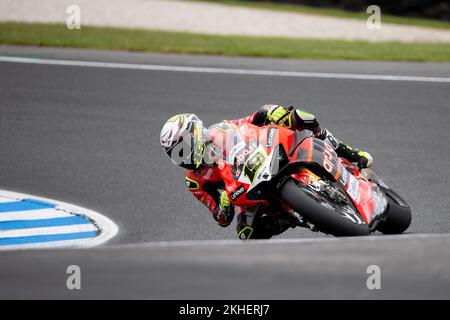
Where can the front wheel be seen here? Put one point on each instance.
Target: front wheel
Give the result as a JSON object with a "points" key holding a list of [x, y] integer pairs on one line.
{"points": [[398, 217], [337, 220]]}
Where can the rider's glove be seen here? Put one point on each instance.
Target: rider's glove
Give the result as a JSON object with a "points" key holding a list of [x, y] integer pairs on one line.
{"points": [[275, 113], [224, 213], [365, 160]]}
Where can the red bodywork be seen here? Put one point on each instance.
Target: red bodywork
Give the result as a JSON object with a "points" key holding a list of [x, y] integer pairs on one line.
{"points": [[236, 158]]}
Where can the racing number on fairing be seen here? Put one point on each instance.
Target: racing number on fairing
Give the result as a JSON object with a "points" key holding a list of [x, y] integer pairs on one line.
{"points": [[328, 158], [253, 164]]}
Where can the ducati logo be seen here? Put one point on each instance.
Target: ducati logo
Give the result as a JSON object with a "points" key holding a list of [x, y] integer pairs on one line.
{"points": [[240, 157]]}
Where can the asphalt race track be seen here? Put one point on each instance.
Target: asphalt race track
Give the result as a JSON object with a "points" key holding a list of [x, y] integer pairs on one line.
{"points": [[90, 136]]}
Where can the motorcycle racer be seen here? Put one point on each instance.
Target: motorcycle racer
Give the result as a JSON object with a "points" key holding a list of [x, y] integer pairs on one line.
{"points": [[204, 180]]}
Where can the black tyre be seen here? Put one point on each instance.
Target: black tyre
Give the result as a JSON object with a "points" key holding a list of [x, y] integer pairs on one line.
{"points": [[326, 218], [398, 217]]}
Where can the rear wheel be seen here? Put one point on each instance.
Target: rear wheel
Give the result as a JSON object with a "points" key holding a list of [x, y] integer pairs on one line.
{"points": [[327, 216], [398, 217]]}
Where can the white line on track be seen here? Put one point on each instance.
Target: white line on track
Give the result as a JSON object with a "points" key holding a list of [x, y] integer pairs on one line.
{"points": [[48, 230], [292, 74], [35, 214], [203, 243], [73, 244], [3, 199]]}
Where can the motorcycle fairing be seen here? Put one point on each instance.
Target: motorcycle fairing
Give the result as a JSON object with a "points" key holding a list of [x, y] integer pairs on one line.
{"points": [[256, 155]]}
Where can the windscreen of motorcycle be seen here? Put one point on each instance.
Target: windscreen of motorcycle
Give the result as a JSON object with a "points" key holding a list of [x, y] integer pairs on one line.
{"points": [[225, 139], [240, 148]]}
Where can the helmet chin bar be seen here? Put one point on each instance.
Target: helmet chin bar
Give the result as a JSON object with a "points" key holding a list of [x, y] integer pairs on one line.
{"points": [[198, 145]]}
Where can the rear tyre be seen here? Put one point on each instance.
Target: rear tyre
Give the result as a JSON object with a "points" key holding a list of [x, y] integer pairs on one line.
{"points": [[326, 218], [398, 217]]}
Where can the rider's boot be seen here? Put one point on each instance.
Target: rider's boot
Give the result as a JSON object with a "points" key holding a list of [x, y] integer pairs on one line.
{"points": [[270, 226], [259, 223], [362, 158]]}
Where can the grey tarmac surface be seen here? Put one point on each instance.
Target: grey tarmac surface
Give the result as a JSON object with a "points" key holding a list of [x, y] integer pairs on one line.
{"points": [[336, 268], [89, 136]]}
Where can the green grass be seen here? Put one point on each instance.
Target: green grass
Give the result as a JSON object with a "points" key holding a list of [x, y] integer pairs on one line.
{"points": [[422, 22], [178, 42]]}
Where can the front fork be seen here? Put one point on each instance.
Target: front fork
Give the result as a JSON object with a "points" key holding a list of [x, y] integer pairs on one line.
{"points": [[304, 178], [307, 178]]}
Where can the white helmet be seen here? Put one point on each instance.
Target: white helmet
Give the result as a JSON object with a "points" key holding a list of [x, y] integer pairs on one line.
{"points": [[182, 140]]}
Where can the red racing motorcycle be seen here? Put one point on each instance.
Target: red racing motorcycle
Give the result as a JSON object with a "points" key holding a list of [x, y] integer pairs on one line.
{"points": [[304, 179]]}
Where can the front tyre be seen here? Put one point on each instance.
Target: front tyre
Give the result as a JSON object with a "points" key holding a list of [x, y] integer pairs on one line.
{"points": [[320, 211], [398, 217]]}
